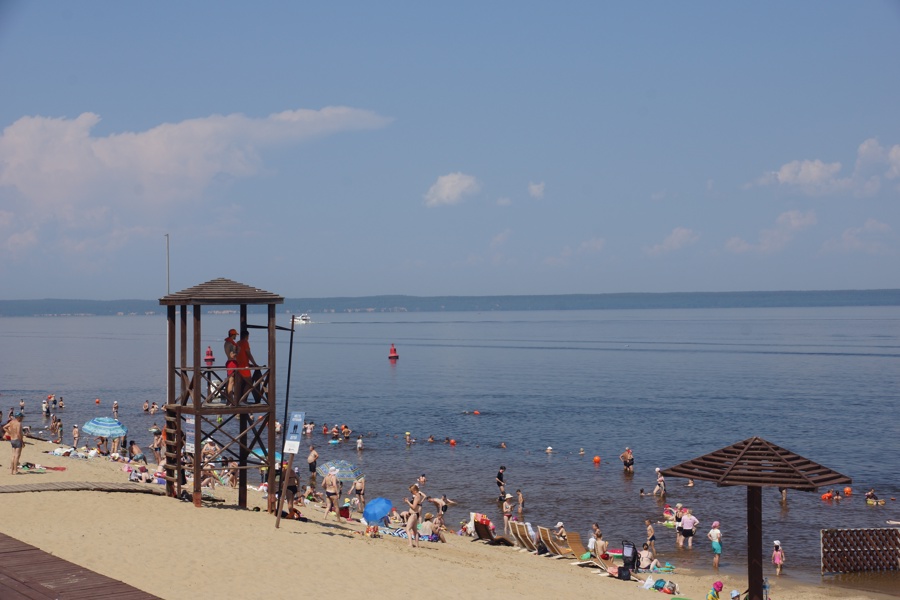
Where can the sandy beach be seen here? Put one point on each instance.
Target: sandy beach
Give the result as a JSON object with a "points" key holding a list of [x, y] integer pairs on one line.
{"points": [[240, 554]]}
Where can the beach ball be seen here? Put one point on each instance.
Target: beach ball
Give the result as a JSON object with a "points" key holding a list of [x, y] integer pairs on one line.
{"points": [[596, 460], [453, 442]]}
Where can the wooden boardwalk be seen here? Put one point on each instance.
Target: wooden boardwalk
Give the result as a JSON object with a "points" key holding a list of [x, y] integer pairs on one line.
{"points": [[84, 486], [28, 573]]}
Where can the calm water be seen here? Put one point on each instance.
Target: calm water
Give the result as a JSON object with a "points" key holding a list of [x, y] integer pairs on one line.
{"points": [[672, 384]]}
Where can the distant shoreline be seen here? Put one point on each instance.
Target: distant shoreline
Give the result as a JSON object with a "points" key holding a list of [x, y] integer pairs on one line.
{"points": [[399, 303]]}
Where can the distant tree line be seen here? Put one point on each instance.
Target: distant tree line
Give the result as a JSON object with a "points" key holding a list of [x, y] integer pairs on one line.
{"points": [[61, 307]]}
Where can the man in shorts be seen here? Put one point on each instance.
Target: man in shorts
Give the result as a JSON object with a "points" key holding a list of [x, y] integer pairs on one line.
{"points": [[311, 459], [16, 439], [231, 352], [500, 483]]}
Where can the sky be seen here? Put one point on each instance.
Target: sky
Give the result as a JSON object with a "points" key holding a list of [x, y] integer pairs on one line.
{"points": [[465, 148]]}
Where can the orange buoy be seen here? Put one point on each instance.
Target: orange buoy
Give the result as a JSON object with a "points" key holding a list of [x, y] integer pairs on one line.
{"points": [[476, 412], [848, 491], [392, 353], [453, 442], [97, 401], [209, 359], [596, 460]]}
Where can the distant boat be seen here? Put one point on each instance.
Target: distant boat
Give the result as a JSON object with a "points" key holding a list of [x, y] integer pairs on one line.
{"points": [[302, 320], [392, 354]]}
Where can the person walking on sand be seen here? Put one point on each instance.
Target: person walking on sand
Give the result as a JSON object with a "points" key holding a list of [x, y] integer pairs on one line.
{"points": [[75, 435], [778, 557], [331, 493], [13, 429], [715, 537]]}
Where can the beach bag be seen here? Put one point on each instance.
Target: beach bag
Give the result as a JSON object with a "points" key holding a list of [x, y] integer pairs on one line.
{"points": [[624, 574], [586, 556], [659, 585], [541, 548]]}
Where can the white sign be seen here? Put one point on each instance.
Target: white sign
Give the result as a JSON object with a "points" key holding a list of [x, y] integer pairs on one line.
{"points": [[293, 433], [190, 434]]}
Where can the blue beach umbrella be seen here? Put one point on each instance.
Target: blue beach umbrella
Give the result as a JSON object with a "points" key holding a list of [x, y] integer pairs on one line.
{"points": [[105, 426], [345, 471], [259, 454], [377, 509]]}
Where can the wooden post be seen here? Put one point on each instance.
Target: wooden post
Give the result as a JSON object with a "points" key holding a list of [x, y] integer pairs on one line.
{"points": [[195, 400], [270, 397], [171, 432], [754, 542]]}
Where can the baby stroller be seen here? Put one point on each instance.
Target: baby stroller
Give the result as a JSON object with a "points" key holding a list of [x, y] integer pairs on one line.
{"points": [[629, 555]]}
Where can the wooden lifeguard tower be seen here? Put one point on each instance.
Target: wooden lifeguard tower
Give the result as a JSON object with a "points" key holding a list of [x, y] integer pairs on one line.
{"points": [[197, 407]]}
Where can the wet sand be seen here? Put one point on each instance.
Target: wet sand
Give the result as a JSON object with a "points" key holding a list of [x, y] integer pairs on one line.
{"points": [[222, 551]]}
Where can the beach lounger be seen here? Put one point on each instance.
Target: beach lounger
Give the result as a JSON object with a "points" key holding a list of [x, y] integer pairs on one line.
{"points": [[484, 533], [521, 534], [553, 549], [579, 550]]}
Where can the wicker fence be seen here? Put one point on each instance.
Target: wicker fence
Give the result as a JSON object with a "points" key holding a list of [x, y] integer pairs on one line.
{"points": [[854, 550]]}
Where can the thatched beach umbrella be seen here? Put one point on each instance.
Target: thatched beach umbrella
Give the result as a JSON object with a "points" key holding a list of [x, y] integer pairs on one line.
{"points": [[756, 463]]}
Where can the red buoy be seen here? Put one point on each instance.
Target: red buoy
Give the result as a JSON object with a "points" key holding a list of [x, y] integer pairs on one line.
{"points": [[97, 401], [392, 354], [209, 359]]}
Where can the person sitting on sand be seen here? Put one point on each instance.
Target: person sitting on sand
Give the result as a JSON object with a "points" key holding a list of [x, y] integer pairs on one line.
{"points": [[646, 562], [142, 475], [208, 477], [430, 531], [714, 592], [102, 445]]}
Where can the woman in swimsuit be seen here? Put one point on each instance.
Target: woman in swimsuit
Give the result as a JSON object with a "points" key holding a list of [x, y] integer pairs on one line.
{"points": [[415, 507], [359, 487], [331, 491]]}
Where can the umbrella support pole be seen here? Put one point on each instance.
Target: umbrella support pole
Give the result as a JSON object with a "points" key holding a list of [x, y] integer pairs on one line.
{"points": [[754, 542], [284, 485]]}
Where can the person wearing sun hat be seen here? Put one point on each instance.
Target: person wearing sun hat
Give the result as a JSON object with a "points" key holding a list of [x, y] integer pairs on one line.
{"points": [[507, 513], [560, 532], [715, 536], [714, 592], [735, 594]]}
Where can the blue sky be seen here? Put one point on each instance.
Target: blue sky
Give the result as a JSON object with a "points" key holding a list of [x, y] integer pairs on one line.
{"points": [[360, 148]]}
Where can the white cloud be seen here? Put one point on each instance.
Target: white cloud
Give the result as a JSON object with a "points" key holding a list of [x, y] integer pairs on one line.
{"points": [[504, 201], [450, 189], [775, 238], [536, 190], [55, 170], [679, 238], [501, 238], [867, 239], [819, 178], [591, 246]]}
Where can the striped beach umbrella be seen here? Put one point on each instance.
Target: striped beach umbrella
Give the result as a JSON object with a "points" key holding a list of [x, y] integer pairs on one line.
{"points": [[345, 471], [105, 426]]}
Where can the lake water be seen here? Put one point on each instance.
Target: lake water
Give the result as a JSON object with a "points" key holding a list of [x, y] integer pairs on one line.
{"points": [[671, 384]]}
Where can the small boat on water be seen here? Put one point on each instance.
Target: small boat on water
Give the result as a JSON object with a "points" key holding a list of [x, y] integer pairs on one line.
{"points": [[302, 319]]}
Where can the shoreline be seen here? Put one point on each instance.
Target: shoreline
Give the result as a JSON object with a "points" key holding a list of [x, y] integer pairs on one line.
{"points": [[126, 536]]}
